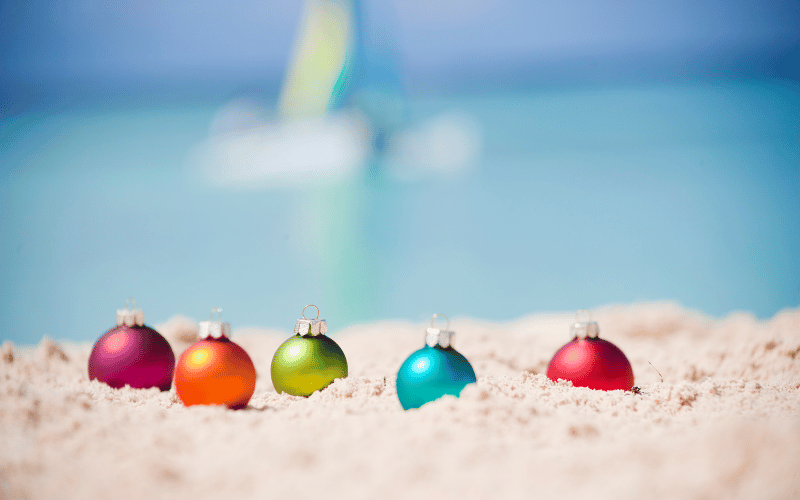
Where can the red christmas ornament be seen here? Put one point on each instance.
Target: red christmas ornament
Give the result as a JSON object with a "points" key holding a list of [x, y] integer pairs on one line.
{"points": [[589, 361]]}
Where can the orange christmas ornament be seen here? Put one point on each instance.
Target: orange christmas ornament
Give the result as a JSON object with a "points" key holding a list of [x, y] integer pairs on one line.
{"points": [[215, 371]]}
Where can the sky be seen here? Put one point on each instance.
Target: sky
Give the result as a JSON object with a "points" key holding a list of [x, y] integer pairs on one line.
{"points": [[94, 45]]}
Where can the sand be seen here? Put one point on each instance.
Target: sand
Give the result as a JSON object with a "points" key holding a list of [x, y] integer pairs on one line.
{"points": [[724, 422]]}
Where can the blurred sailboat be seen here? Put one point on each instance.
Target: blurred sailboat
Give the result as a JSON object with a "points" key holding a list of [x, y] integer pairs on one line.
{"points": [[346, 57], [341, 112], [341, 99]]}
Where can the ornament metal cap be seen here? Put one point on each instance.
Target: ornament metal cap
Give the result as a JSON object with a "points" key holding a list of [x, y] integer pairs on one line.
{"points": [[584, 327], [215, 329], [130, 316], [316, 326], [435, 336]]}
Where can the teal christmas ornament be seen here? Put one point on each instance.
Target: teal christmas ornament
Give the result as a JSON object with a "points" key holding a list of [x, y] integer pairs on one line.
{"points": [[433, 371]]}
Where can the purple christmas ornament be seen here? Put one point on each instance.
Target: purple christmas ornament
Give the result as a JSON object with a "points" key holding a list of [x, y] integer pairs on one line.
{"points": [[132, 354]]}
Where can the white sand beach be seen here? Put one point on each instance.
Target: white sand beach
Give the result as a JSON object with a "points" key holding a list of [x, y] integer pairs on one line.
{"points": [[723, 423]]}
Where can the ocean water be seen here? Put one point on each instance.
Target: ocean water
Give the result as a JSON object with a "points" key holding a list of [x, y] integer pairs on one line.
{"points": [[580, 197]]}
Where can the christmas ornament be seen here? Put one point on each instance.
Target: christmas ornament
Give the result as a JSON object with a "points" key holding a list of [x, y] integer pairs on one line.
{"points": [[433, 371], [589, 361], [215, 371], [309, 361], [132, 354]]}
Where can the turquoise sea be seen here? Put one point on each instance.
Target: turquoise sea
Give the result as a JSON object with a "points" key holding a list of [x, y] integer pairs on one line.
{"points": [[582, 197]]}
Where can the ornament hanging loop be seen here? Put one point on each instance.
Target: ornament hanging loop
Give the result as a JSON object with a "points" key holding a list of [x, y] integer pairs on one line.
{"points": [[215, 329], [584, 327], [437, 315], [306, 307], [308, 326], [436, 337], [130, 316]]}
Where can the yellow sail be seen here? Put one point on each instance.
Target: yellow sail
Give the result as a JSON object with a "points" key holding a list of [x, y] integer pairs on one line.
{"points": [[319, 63]]}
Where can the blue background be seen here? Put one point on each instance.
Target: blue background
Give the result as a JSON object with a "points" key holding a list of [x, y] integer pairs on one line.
{"points": [[631, 151]]}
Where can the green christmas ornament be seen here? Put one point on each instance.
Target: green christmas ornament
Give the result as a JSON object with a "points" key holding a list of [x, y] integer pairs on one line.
{"points": [[309, 361]]}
